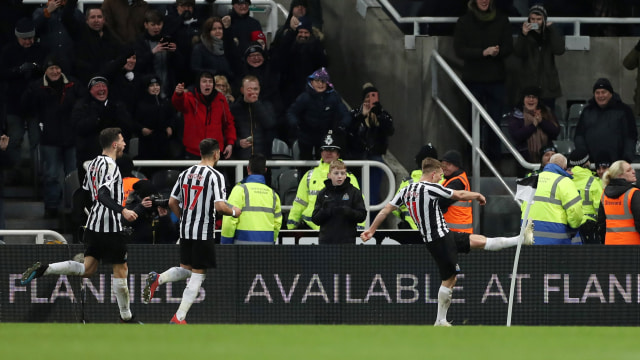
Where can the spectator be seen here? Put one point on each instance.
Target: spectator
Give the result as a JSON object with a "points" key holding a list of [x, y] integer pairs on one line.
{"points": [[157, 54], [181, 24], [458, 214], [557, 210], [55, 38], [210, 53], [537, 45], [631, 62], [95, 44], [603, 162], [482, 39], [297, 10], [154, 116], [125, 80], [590, 191], [125, 18], [299, 54], [315, 112], [532, 125], [254, 121], [339, 208], [545, 155], [371, 127], [256, 64], [310, 185], [206, 115], [20, 63], [239, 24], [402, 213], [619, 211], [607, 124], [52, 99], [261, 218], [91, 115], [222, 85]]}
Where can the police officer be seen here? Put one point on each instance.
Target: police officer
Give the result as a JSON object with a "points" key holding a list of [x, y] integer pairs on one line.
{"points": [[311, 184], [401, 212], [590, 190], [261, 217], [457, 214], [557, 208]]}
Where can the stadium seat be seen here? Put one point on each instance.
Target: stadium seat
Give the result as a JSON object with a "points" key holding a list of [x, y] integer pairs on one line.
{"points": [[564, 147], [288, 181], [133, 146], [296, 150], [280, 150], [572, 119], [71, 184]]}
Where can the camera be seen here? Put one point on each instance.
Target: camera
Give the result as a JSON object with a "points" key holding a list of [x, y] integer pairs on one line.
{"points": [[159, 200]]}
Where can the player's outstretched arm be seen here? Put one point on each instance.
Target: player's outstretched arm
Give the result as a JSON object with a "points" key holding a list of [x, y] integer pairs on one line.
{"points": [[368, 234], [469, 195]]}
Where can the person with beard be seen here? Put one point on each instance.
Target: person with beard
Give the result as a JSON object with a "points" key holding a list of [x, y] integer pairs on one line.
{"points": [[238, 26], [254, 121], [157, 54], [206, 115], [20, 63], [155, 117], [297, 10], [299, 54], [52, 99], [96, 45], [537, 45], [210, 54], [91, 115]]}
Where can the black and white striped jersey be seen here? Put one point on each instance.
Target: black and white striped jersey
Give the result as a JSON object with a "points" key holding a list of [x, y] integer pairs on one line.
{"points": [[421, 199], [103, 172], [197, 190]]}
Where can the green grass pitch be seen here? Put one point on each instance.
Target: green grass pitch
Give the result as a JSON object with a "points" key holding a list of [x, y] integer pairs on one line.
{"points": [[306, 342]]}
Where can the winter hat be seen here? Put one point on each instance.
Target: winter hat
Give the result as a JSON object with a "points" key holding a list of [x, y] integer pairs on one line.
{"points": [[454, 157], [578, 157], [546, 149], [531, 90], [603, 159], [253, 47], [321, 74], [425, 152], [330, 142], [305, 23], [603, 83], [52, 60], [233, 2], [151, 80], [295, 3], [96, 80], [144, 188], [25, 28], [538, 9], [368, 88], [258, 35], [186, 2]]}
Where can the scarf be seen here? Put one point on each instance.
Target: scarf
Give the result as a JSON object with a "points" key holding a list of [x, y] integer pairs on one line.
{"points": [[537, 140], [213, 44], [482, 15]]}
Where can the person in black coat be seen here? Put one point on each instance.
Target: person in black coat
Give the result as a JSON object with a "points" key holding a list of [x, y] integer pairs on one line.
{"points": [[93, 114], [51, 98], [155, 117], [181, 24], [339, 208], [125, 81], [238, 27], [257, 64], [254, 120]]}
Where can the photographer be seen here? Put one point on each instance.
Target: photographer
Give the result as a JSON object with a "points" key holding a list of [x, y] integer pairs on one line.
{"points": [[154, 224]]}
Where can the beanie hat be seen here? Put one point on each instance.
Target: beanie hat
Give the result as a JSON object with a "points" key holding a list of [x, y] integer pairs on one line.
{"points": [[603, 159], [186, 2], [531, 90], [546, 149], [538, 9], [578, 157], [321, 74], [145, 188], [330, 142], [425, 152], [295, 3], [96, 80], [258, 35], [151, 80], [253, 47], [52, 60], [603, 83], [233, 2], [25, 28], [454, 157], [368, 88], [305, 23]]}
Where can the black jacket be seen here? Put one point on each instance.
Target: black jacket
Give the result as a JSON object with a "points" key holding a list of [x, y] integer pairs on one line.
{"points": [[370, 138], [615, 189], [338, 211], [257, 120], [154, 113], [13, 80]]}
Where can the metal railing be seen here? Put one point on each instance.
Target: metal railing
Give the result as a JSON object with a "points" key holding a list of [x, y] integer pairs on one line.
{"points": [[270, 5], [40, 234]]}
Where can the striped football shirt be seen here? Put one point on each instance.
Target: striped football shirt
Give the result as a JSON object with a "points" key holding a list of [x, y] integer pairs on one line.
{"points": [[103, 172]]}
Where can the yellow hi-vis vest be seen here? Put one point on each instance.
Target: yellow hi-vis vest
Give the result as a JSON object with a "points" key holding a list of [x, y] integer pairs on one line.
{"points": [[459, 215], [590, 191], [261, 216]]}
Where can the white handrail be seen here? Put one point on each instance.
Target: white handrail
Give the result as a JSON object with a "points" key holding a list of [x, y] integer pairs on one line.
{"points": [[40, 234]]}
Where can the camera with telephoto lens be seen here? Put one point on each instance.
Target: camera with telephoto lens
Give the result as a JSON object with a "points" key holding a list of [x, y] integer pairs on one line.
{"points": [[159, 200]]}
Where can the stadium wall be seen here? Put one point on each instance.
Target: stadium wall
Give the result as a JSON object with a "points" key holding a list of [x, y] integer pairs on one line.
{"points": [[559, 285]]}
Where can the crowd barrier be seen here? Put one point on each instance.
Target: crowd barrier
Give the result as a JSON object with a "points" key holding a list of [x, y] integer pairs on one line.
{"points": [[556, 285]]}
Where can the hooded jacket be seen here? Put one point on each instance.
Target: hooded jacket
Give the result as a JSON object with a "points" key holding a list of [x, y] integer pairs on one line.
{"points": [[204, 120], [338, 210]]}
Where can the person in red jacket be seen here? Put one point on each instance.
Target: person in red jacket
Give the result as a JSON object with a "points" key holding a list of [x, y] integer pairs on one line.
{"points": [[206, 115]]}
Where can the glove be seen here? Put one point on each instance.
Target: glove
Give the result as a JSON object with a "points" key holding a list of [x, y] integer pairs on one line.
{"points": [[27, 67]]}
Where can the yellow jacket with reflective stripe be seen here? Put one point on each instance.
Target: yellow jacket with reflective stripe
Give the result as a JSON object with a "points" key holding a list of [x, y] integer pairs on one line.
{"points": [[310, 185], [402, 213], [261, 217], [590, 190]]}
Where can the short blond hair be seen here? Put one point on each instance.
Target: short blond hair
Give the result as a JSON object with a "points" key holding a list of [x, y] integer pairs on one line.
{"points": [[337, 164], [430, 164]]}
